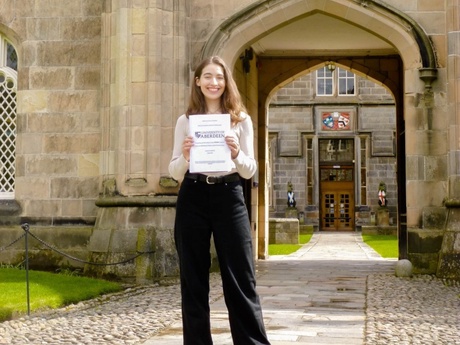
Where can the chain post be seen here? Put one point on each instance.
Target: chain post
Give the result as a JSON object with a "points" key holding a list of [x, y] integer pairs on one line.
{"points": [[26, 228]]}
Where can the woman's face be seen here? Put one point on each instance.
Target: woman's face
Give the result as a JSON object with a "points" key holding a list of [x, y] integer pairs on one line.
{"points": [[212, 82]]}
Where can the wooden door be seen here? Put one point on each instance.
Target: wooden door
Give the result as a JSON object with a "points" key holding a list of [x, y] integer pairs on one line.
{"points": [[337, 199]]}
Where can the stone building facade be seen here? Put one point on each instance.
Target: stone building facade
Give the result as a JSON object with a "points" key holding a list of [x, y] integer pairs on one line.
{"points": [[296, 134], [99, 85]]}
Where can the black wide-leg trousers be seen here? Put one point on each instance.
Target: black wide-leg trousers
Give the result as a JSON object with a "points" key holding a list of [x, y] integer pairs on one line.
{"points": [[220, 210]]}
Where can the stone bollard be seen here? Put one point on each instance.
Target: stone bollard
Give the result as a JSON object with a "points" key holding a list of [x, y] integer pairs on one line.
{"points": [[403, 268]]}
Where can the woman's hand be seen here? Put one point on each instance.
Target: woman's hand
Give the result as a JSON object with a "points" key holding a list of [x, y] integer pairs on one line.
{"points": [[186, 146], [233, 145]]}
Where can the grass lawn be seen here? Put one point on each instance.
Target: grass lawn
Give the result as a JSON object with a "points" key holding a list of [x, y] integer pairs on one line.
{"points": [[385, 245], [285, 249], [46, 290]]}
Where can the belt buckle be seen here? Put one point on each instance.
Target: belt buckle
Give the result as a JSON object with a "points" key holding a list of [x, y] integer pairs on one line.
{"points": [[208, 181]]}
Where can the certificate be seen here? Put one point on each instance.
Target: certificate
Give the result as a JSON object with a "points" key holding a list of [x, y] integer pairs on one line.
{"points": [[209, 152]]}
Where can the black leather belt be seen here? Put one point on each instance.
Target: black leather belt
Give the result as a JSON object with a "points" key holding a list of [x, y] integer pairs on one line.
{"points": [[213, 179]]}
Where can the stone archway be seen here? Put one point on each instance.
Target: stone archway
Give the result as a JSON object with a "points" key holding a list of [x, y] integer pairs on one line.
{"points": [[414, 71], [388, 74], [247, 26]]}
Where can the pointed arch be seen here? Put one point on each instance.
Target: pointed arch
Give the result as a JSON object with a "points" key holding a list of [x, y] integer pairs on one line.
{"points": [[414, 56], [253, 22]]}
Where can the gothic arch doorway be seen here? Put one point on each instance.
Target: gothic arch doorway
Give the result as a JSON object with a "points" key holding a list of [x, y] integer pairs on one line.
{"points": [[391, 54]]}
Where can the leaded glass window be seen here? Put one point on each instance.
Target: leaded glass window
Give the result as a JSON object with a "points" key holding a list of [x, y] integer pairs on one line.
{"points": [[11, 57], [8, 89]]}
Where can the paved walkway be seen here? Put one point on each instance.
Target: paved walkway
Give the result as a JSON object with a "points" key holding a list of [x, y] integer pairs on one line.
{"points": [[335, 290], [314, 296]]}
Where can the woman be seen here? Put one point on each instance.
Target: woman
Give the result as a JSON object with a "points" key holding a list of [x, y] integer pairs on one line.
{"points": [[216, 208]]}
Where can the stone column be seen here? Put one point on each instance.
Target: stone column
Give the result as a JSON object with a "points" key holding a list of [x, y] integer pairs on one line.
{"points": [[453, 82], [124, 111], [145, 80], [449, 262]]}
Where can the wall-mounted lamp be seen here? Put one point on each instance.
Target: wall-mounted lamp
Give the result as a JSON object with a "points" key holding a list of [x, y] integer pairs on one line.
{"points": [[330, 66], [246, 58]]}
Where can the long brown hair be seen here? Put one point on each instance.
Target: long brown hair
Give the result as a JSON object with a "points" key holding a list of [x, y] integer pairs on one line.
{"points": [[230, 101]]}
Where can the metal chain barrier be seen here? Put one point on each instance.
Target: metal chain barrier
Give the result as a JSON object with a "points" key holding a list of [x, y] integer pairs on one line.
{"points": [[26, 234], [26, 228], [9, 245]]}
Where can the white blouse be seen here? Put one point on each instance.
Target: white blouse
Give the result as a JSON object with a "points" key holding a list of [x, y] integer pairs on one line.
{"points": [[244, 164]]}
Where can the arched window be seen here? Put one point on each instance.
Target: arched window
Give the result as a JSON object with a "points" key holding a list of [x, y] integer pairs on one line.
{"points": [[8, 88]]}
